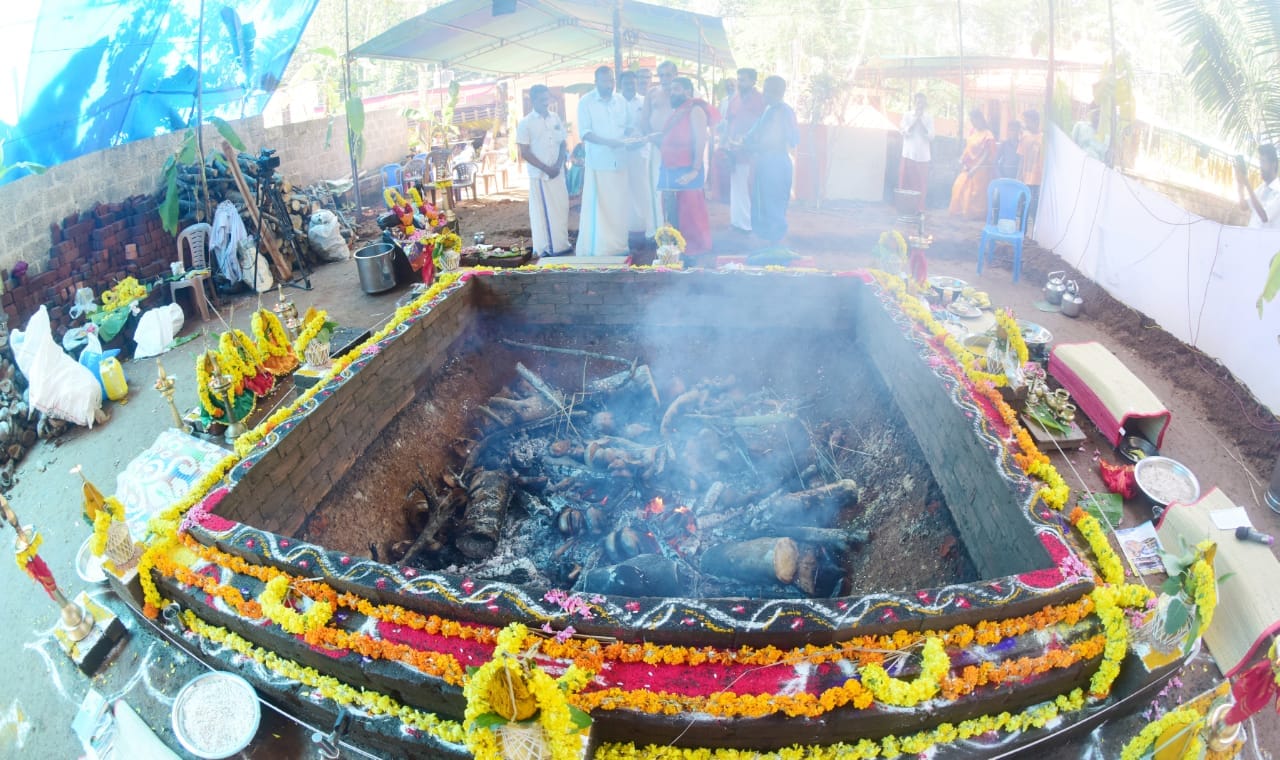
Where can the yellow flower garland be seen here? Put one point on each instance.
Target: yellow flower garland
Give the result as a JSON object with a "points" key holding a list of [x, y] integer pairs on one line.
{"points": [[214, 410], [231, 360], [892, 691], [553, 713], [1013, 334], [1109, 565], [668, 235], [309, 331], [111, 510], [24, 557], [1180, 720], [1037, 716], [329, 687], [124, 292], [1204, 587], [272, 601]]}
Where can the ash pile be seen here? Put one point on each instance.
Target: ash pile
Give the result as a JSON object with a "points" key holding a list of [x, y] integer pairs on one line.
{"points": [[706, 488]]}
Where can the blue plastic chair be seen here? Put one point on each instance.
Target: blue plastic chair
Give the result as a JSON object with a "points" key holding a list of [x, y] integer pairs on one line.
{"points": [[393, 176], [1007, 199]]}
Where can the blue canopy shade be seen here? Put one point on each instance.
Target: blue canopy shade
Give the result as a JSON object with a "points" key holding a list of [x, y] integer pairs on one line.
{"points": [[100, 73], [545, 35]]}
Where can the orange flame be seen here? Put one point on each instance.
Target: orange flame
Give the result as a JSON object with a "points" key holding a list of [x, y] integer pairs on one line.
{"points": [[655, 507]]}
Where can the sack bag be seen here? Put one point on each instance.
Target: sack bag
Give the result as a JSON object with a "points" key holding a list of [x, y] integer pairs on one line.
{"points": [[251, 261], [667, 179], [326, 238]]}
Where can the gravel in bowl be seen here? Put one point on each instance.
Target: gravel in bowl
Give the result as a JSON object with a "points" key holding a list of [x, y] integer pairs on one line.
{"points": [[1165, 481], [216, 715]]}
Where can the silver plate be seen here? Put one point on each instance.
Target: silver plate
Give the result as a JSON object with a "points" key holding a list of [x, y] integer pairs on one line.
{"points": [[184, 697]]}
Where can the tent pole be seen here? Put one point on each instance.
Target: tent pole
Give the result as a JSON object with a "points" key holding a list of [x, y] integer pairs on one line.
{"points": [[960, 36], [617, 37], [346, 98], [1048, 97]]}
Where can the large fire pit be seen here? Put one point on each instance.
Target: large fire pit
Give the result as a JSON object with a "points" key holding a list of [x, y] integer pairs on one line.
{"points": [[733, 498]]}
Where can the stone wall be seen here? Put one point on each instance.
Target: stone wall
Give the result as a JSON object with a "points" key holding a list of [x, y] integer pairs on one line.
{"points": [[29, 205]]}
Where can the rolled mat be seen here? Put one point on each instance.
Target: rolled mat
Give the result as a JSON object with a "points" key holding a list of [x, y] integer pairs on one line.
{"points": [[1108, 393], [1248, 612]]}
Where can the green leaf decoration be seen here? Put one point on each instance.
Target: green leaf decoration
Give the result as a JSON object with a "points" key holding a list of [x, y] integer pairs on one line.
{"points": [[169, 207], [227, 132], [580, 719], [187, 153], [1272, 285], [489, 720], [1176, 616], [1171, 585], [1106, 507]]}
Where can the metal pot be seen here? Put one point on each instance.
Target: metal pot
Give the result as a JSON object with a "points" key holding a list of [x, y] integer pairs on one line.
{"points": [[1055, 287], [1072, 303]]}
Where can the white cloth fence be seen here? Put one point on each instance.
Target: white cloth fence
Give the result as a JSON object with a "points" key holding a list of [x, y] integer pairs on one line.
{"points": [[1198, 279]]}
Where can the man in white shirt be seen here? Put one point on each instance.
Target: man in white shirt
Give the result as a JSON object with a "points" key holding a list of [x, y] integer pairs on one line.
{"points": [[541, 137], [1264, 201], [643, 220], [606, 205], [917, 134]]}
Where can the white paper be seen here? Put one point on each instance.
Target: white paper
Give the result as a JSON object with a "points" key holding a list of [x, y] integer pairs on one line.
{"points": [[1230, 519]]}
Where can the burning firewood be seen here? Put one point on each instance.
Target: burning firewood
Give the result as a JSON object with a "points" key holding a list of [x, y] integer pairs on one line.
{"points": [[643, 575], [760, 560], [489, 495], [816, 506]]}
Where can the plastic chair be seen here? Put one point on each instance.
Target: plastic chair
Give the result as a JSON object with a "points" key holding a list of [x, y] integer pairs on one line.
{"points": [[1008, 201], [464, 178], [414, 170], [196, 238], [489, 170], [392, 176]]}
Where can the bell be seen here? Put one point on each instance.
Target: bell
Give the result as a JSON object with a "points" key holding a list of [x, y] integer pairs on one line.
{"points": [[1055, 287]]}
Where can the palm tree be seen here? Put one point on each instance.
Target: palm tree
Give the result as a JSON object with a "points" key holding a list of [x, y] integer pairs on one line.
{"points": [[1235, 49]]}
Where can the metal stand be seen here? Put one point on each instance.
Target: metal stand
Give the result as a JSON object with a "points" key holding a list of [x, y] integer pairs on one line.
{"points": [[271, 205]]}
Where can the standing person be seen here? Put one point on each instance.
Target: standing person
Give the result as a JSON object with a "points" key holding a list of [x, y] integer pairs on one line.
{"points": [[643, 219], [657, 109], [1264, 201], [1031, 151], [743, 111], [1008, 160], [917, 134], [977, 166], [644, 80], [541, 137], [683, 155], [770, 143], [602, 122]]}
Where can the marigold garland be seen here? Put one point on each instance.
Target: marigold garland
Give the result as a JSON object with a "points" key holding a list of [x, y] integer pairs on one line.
{"points": [[310, 330], [1013, 335], [270, 334], [549, 705], [231, 361], [668, 235], [273, 606], [203, 373], [1109, 565], [111, 510], [1180, 720], [891, 691], [1036, 716], [1203, 586], [329, 687]]}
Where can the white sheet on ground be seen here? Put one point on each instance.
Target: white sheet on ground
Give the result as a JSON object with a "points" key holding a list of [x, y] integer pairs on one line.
{"points": [[156, 330], [58, 385]]}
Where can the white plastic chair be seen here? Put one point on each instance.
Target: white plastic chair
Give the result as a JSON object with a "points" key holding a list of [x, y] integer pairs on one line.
{"points": [[196, 238]]}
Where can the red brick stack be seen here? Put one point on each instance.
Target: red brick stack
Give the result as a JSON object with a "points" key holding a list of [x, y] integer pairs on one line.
{"points": [[95, 249]]}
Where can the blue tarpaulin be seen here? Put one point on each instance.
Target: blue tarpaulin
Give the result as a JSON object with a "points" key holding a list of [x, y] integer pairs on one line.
{"points": [[84, 75]]}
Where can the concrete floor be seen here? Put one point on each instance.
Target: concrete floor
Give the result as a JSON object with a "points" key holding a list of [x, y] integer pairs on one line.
{"points": [[42, 690]]}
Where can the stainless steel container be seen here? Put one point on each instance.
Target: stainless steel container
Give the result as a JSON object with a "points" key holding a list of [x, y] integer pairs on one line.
{"points": [[375, 267], [1072, 303]]}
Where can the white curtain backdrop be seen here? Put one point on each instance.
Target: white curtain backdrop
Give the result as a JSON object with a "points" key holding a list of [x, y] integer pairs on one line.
{"points": [[1197, 278]]}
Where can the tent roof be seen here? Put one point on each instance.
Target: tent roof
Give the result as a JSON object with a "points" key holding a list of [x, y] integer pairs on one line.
{"points": [[906, 67], [544, 35]]}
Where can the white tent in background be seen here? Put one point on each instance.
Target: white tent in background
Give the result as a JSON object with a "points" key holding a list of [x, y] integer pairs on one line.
{"points": [[856, 160]]}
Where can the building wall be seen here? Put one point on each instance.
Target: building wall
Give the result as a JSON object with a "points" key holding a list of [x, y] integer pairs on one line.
{"points": [[29, 205]]}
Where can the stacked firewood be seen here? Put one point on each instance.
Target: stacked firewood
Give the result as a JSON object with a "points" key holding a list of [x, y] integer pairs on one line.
{"points": [[615, 487]]}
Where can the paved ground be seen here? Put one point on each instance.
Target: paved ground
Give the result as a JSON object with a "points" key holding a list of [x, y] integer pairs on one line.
{"points": [[41, 691]]}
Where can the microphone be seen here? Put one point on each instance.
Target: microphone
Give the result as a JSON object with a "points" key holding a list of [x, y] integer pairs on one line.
{"points": [[1245, 533]]}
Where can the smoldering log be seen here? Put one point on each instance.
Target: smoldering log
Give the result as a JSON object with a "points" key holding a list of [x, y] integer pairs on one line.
{"points": [[760, 560], [639, 379], [437, 517], [816, 506], [486, 511], [540, 385], [642, 575], [835, 538]]}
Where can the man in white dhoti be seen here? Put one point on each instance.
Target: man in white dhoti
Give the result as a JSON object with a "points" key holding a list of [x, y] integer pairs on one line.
{"points": [[541, 137], [643, 218], [606, 207]]}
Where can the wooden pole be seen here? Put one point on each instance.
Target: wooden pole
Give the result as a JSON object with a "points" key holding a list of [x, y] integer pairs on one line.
{"points": [[960, 36], [1048, 97], [346, 97], [285, 269], [617, 38]]}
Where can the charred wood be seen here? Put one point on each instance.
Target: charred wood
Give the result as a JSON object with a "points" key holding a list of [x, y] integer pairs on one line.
{"points": [[488, 498]]}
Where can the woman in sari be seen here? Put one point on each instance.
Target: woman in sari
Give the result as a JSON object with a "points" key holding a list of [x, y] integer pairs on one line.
{"points": [[977, 169]]}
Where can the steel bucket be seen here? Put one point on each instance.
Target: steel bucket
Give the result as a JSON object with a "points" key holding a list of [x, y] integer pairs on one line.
{"points": [[375, 267]]}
